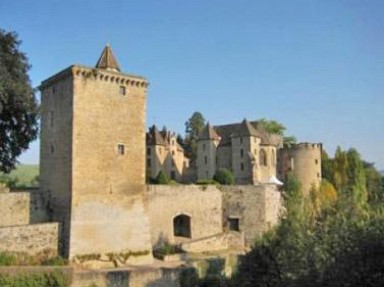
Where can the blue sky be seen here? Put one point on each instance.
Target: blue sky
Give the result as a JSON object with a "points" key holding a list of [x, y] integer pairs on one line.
{"points": [[315, 66]]}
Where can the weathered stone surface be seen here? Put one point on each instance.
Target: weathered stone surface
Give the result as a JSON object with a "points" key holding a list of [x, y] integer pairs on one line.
{"points": [[21, 208], [202, 204], [31, 239]]}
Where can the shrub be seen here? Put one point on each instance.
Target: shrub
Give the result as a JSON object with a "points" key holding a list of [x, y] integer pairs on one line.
{"points": [[161, 178], [224, 176]]}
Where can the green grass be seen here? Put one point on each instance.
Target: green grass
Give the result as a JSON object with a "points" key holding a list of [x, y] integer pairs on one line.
{"points": [[24, 176]]}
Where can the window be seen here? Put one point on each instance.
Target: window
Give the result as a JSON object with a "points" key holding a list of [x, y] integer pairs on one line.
{"points": [[173, 152], [120, 149], [203, 146], [182, 226], [122, 90], [205, 160], [318, 175], [241, 140], [148, 151], [316, 161], [148, 162], [241, 153], [242, 166], [263, 158], [233, 224]]}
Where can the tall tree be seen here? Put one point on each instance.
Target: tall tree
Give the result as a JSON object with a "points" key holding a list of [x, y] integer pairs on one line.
{"points": [[193, 128], [18, 105]]}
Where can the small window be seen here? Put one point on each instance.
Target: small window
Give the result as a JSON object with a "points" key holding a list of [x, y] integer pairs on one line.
{"points": [[241, 140], [52, 149], [318, 175], [233, 224], [149, 151], [241, 153], [122, 90], [120, 149], [316, 161], [203, 146], [148, 162], [173, 152], [205, 160], [242, 166]]}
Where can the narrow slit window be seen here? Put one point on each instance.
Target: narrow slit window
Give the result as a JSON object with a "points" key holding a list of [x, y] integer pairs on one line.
{"points": [[120, 149], [122, 90]]}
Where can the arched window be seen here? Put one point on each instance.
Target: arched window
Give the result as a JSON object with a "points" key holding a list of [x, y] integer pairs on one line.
{"points": [[182, 226], [263, 158]]}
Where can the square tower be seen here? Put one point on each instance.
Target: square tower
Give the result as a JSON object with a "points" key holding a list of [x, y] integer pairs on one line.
{"points": [[92, 160]]}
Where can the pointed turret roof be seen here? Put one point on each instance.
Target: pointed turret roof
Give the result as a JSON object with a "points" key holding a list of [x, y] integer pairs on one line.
{"points": [[208, 133], [246, 129], [107, 60], [155, 137]]}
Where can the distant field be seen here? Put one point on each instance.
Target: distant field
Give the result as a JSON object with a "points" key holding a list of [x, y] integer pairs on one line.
{"points": [[25, 175]]}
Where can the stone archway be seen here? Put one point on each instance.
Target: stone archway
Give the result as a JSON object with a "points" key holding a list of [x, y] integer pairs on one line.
{"points": [[182, 226]]}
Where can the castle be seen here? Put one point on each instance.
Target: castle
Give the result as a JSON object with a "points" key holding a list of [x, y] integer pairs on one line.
{"points": [[94, 155]]}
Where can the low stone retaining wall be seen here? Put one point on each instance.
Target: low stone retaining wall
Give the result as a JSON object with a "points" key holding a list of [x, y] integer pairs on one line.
{"points": [[31, 239]]}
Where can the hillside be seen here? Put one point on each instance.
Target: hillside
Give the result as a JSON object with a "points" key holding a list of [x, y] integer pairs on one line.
{"points": [[24, 176]]}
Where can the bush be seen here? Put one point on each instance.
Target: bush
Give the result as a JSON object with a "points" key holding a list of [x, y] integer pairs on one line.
{"points": [[161, 178], [224, 177], [53, 279]]}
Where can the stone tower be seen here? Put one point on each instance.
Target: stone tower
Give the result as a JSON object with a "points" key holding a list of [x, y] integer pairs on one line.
{"points": [[92, 160], [304, 162], [207, 153]]}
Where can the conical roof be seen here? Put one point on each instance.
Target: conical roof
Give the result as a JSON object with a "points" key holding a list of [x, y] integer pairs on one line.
{"points": [[246, 129], [155, 137], [107, 60], [208, 133]]}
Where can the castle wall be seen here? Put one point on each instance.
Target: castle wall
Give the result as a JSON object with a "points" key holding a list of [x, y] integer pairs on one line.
{"points": [[31, 239], [206, 159], [256, 207], [224, 157], [304, 161], [21, 208], [56, 148], [117, 223], [202, 204], [109, 212], [268, 170]]}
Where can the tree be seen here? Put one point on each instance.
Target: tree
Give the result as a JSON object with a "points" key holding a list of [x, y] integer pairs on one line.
{"points": [[193, 127], [224, 176], [271, 126], [18, 105]]}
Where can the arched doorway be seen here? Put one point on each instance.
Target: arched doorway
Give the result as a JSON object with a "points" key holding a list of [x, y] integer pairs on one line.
{"points": [[182, 226]]}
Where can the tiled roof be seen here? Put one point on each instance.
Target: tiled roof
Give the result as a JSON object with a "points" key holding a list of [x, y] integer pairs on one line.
{"points": [[154, 137], [208, 133], [107, 60]]}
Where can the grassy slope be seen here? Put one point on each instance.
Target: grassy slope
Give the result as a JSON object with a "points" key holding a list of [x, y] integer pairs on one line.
{"points": [[23, 175]]}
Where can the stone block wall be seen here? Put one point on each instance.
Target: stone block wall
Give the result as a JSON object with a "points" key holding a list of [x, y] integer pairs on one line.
{"points": [[21, 208], [31, 239], [255, 207], [202, 204]]}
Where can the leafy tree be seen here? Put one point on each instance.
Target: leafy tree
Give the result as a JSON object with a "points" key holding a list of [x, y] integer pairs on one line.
{"points": [[374, 183], [18, 106], [224, 176], [271, 126], [326, 166], [289, 141], [193, 127]]}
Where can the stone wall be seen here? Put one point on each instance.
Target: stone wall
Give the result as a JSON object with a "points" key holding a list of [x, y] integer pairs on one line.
{"points": [[256, 208], [30, 238], [21, 208], [202, 204], [149, 277], [223, 241]]}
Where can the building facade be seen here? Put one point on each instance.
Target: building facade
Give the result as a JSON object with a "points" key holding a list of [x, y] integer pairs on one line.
{"points": [[256, 157], [92, 160], [165, 154]]}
